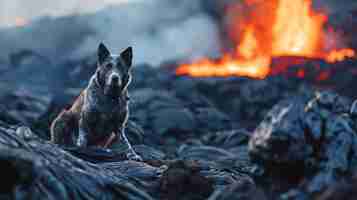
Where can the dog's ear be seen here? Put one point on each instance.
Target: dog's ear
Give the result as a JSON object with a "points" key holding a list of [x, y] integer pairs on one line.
{"points": [[103, 53], [127, 56]]}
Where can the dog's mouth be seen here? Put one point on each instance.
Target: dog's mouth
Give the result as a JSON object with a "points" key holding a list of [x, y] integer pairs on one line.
{"points": [[112, 91]]}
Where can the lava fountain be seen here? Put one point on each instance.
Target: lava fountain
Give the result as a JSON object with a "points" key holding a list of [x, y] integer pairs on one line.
{"points": [[268, 29]]}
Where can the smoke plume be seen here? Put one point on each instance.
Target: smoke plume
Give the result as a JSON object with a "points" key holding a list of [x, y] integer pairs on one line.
{"points": [[159, 30]]}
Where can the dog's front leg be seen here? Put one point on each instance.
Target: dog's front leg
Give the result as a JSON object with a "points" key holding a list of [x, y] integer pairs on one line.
{"points": [[82, 140], [131, 155]]}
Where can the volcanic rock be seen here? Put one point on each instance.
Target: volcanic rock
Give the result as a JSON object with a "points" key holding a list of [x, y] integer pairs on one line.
{"points": [[314, 138], [162, 111], [24, 106], [182, 180], [240, 191], [341, 190], [203, 123], [40, 169]]}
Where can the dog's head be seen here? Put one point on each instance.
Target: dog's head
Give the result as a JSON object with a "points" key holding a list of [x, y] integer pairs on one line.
{"points": [[113, 71]]}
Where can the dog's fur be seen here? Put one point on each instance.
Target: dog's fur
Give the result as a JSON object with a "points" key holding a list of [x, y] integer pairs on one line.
{"points": [[100, 113]]}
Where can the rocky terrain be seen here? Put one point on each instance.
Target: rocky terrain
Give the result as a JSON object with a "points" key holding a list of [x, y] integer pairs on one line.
{"points": [[201, 138], [212, 138]]}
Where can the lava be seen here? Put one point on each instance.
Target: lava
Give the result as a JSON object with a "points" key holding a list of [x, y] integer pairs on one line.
{"points": [[227, 66], [297, 30], [265, 30], [340, 55]]}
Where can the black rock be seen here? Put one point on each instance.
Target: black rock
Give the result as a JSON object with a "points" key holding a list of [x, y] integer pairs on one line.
{"points": [[341, 190], [24, 106], [41, 170], [182, 180], [315, 139], [242, 190]]}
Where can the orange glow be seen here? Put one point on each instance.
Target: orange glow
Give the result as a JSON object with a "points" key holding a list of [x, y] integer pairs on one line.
{"points": [[249, 45], [340, 55], [297, 30], [266, 29], [257, 68]]}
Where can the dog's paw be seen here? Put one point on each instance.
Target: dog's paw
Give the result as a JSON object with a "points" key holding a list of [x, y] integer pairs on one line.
{"points": [[133, 156]]}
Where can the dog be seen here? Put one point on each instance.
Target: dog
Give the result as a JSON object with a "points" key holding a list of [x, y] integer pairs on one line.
{"points": [[100, 114]]}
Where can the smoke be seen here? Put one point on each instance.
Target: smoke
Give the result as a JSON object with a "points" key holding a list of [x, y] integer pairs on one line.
{"points": [[158, 30], [335, 6], [12, 9]]}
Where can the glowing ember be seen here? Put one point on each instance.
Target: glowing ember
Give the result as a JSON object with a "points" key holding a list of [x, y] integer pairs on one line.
{"points": [[340, 55], [269, 29]]}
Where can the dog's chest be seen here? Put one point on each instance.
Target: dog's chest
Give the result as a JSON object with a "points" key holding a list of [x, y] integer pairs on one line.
{"points": [[109, 115], [101, 124], [103, 115]]}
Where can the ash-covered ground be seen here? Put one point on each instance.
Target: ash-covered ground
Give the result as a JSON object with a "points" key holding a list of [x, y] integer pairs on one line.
{"points": [[200, 138]]}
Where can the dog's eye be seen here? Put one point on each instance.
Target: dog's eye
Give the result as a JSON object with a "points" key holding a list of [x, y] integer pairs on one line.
{"points": [[109, 66]]}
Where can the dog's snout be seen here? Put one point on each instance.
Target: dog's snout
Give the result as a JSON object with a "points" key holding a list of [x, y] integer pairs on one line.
{"points": [[113, 79]]}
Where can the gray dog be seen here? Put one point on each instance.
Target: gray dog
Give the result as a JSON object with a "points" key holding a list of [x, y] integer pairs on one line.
{"points": [[99, 115]]}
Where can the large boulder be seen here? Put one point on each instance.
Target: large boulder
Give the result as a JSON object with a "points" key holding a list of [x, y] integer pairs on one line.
{"points": [[316, 139]]}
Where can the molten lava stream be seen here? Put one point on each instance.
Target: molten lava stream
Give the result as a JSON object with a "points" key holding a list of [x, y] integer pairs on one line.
{"points": [[258, 68], [245, 63], [294, 30]]}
